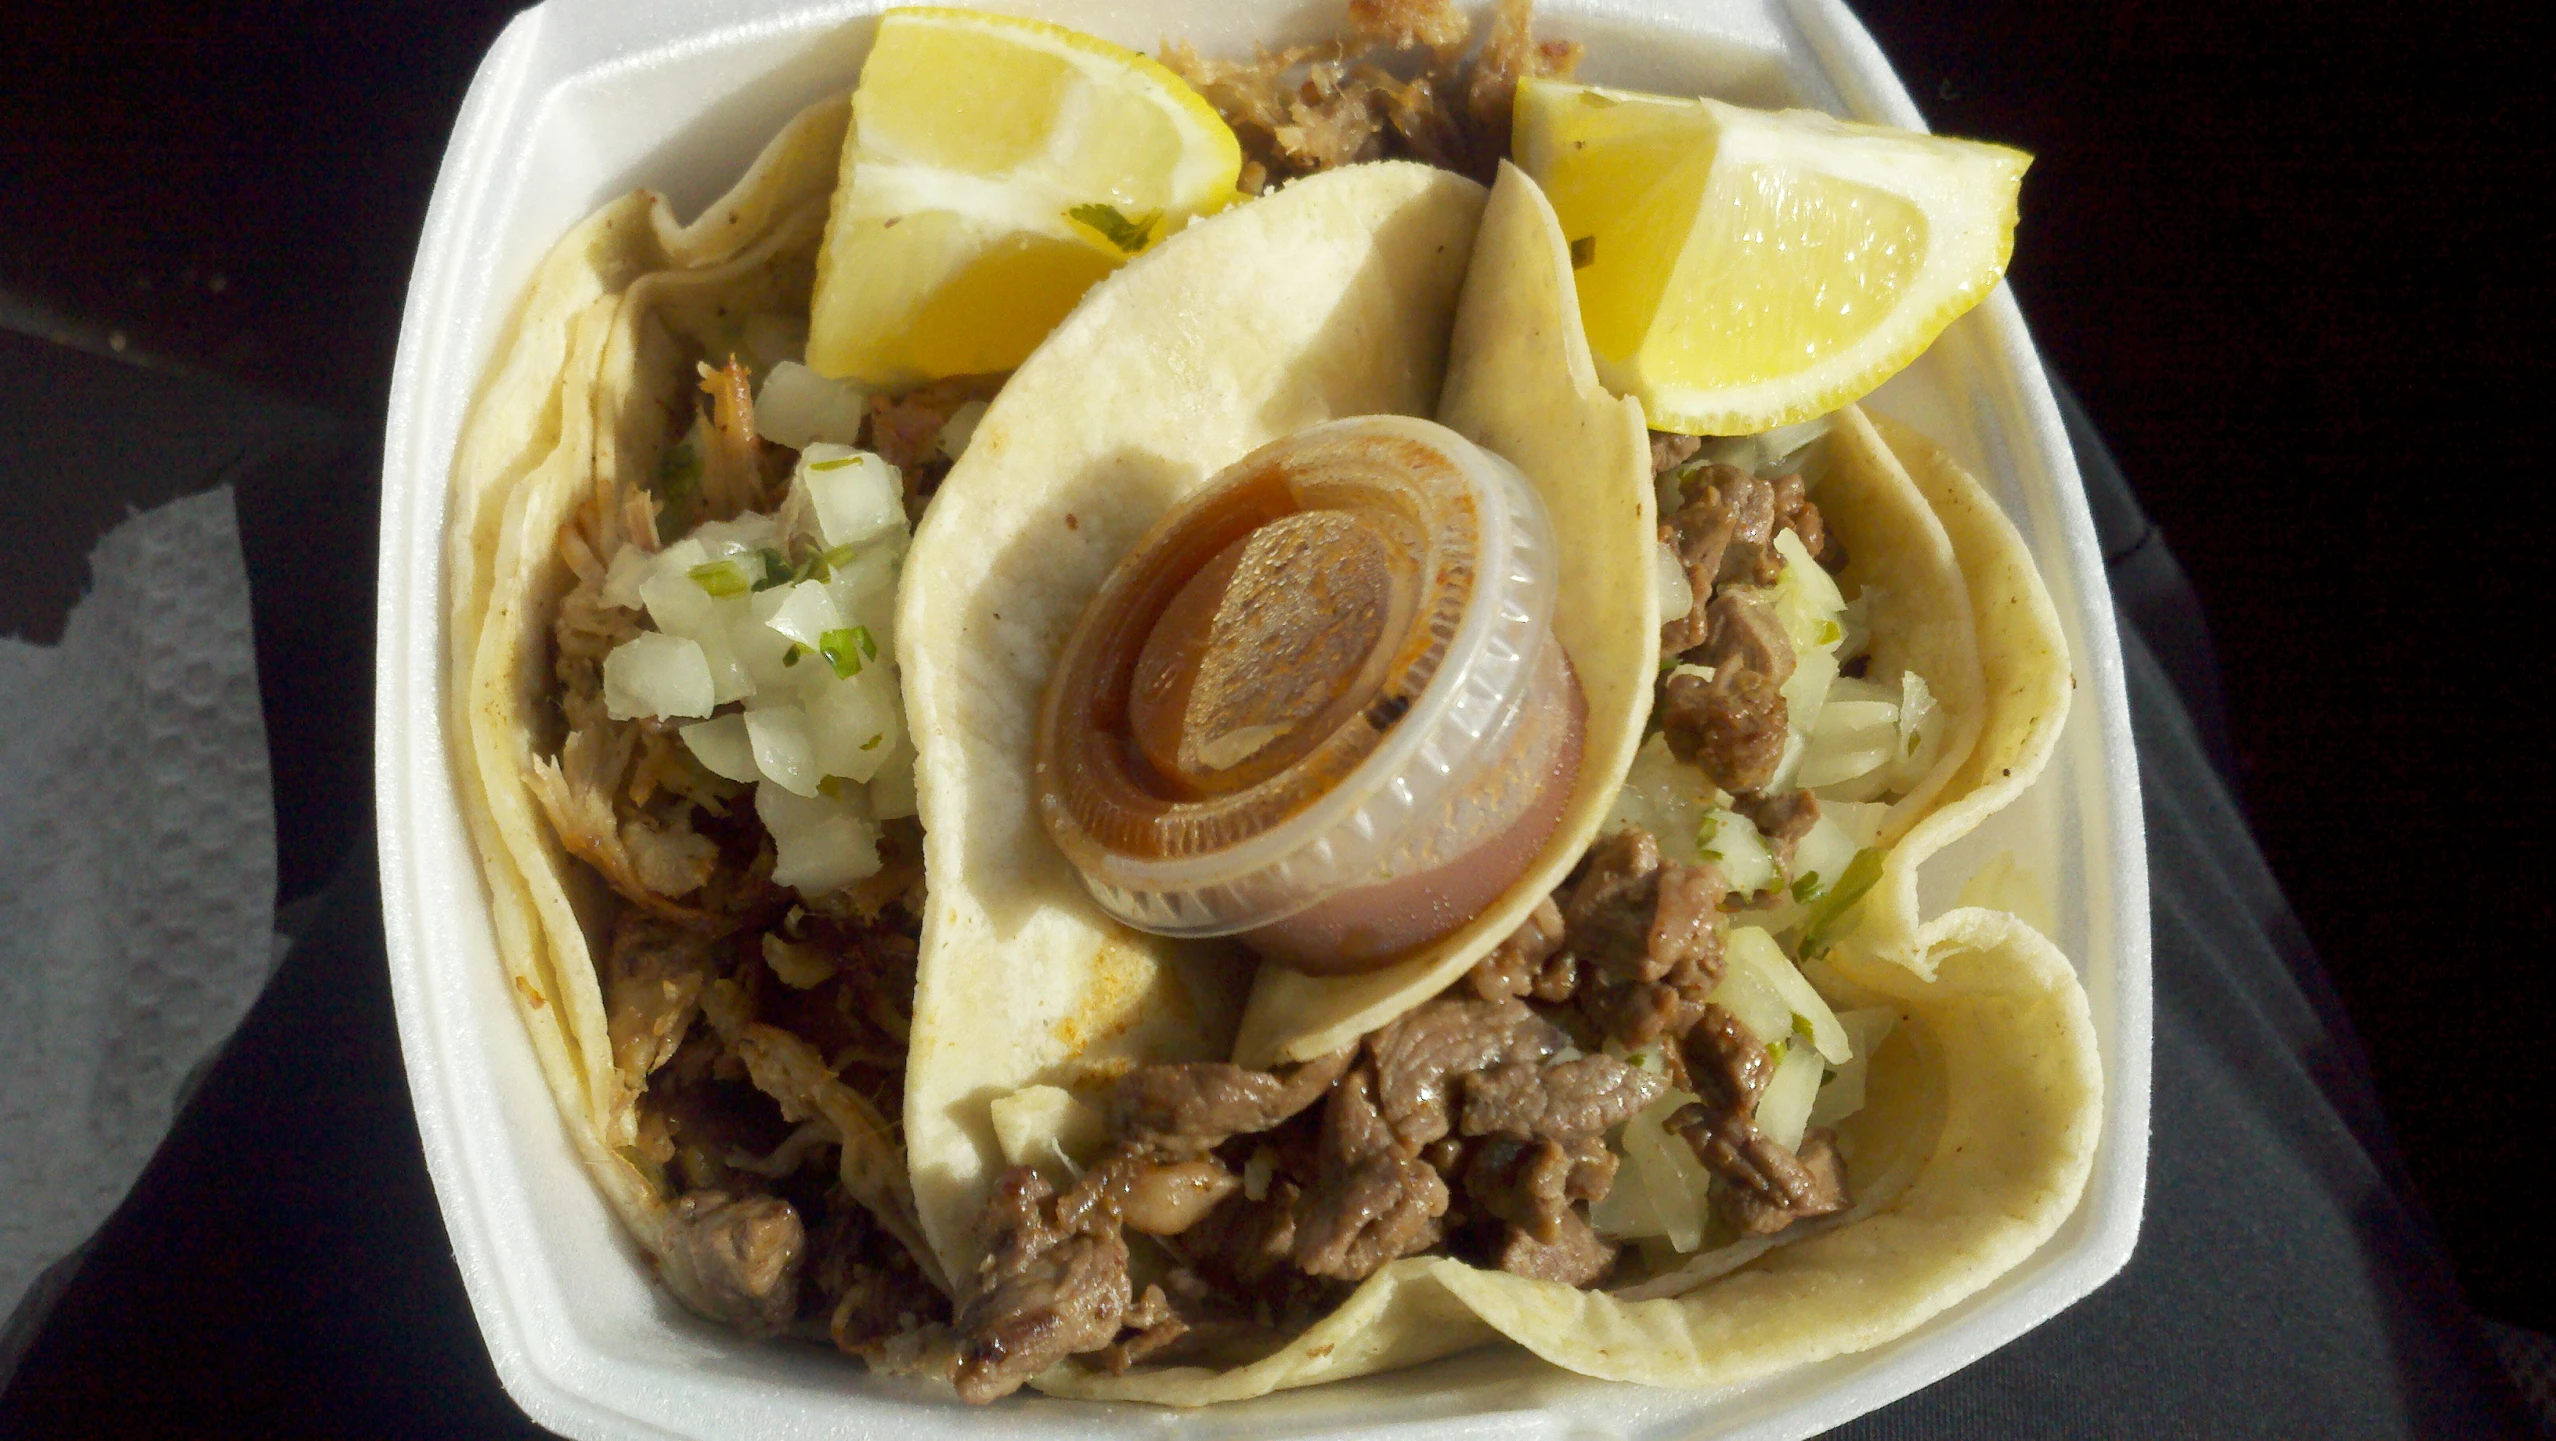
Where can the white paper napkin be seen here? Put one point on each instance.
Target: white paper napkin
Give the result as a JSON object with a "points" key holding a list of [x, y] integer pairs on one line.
{"points": [[137, 870]]}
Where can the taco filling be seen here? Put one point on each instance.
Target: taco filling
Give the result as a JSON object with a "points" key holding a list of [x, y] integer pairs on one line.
{"points": [[868, 1047]]}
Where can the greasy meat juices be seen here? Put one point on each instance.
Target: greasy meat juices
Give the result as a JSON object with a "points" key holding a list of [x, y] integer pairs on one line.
{"points": [[1320, 706]]}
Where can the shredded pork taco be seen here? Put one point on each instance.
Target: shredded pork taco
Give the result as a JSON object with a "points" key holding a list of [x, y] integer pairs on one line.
{"points": [[750, 670]]}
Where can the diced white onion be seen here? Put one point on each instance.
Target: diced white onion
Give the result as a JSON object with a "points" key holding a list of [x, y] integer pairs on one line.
{"points": [[630, 566], [1784, 1107], [960, 428], [806, 612], [765, 651], [782, 749], [1800, 570], [1665, 796], [1045, 1127], [1666, 1167], [653, 674], [819, 843], [675, 604], [854, 724], [1748, 990], [1668, 577], [1735, 846], [834, 855], [858, 497], [1771, 993], [798, 407], [738, 539], [1824, 852], [1852, 737], [1917, 712], [1859, 821], [723, 748], [1806, 691]]}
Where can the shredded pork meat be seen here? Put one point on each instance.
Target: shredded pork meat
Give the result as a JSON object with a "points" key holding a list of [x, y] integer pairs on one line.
{"points": [[1398, 86]]}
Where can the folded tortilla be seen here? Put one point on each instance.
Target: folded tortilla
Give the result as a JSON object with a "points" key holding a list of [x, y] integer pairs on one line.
{"points": [[553, 432]]}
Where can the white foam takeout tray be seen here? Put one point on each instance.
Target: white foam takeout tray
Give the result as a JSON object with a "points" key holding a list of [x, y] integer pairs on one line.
{"points": [[580, 100]]}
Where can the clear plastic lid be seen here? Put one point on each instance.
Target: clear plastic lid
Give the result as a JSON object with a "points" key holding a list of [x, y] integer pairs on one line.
{"points": [[1309, 679]]}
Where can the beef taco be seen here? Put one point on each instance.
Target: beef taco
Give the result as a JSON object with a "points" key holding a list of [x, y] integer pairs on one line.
{"points": [[1641, 1114], [875, 910]]}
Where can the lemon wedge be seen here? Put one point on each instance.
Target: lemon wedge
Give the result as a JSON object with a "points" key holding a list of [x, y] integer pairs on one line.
{"points": [[995, 169], [1744, 269]]}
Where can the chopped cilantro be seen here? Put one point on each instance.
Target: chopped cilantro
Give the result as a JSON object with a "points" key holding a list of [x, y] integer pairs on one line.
{"points": [[775, 566], [722, 578], [873, 742], [1583, 251], [1807, 888], [791, 656], [831, 788], [1858, 877], [848, 650], [1129, 235]]}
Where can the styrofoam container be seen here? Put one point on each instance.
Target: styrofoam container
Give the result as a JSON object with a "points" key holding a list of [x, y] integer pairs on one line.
{"points": [[580, 100]]}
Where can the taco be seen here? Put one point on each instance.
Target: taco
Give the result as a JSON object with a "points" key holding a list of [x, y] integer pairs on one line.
{"points": [[1212, 1177], [755, 692]]}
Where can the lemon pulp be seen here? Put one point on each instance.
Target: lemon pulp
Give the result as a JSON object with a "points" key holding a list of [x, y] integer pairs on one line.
{"points": [[996, 168], [1740, 269]]}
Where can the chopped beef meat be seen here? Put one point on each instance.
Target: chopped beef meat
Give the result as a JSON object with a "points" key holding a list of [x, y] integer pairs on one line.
{"points": [[744, 1254], [1732, 726], [1727, 1066], [1531, 1184], [1648, 936], [1782, 819], [1574, 1098], [653, 977], [1744, 633], [1794, 512], [1373, 1201], [1156, 1326], [1630, 916], [1053, 1283], [1670, 450], [1192, 1106], [1733, 1148], [1725, 530], [1531, 962], [1821, 1191], [1419, 1058], [1575, 1255], [1243, 1242]]}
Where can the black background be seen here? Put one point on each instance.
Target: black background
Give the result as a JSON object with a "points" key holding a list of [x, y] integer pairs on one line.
{"points": [[2292, 256]]}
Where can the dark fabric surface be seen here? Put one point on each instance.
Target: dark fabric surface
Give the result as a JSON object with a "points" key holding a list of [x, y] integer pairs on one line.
{"points": [[281, 1270], [2286, 1282]]}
